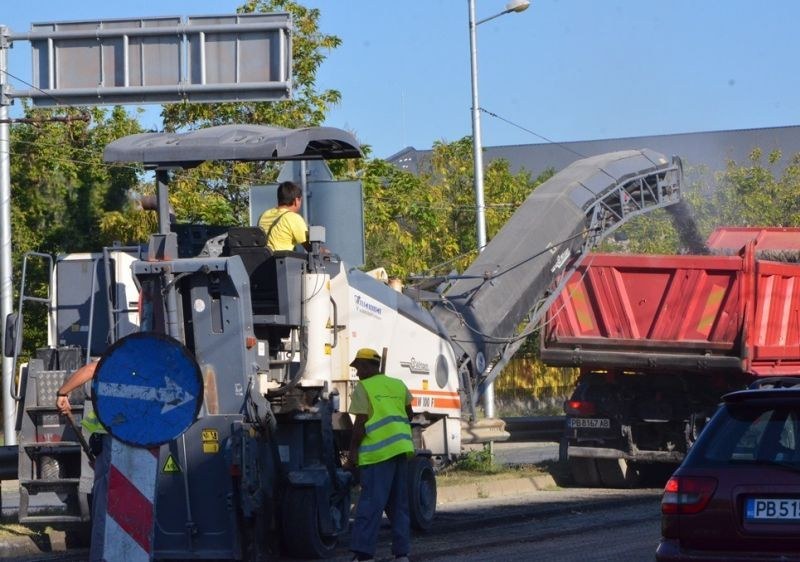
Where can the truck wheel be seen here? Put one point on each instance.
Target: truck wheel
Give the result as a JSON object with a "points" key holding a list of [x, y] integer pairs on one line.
{"points": [[300, 526], [584, 471], [618, 473], [421, 493]]}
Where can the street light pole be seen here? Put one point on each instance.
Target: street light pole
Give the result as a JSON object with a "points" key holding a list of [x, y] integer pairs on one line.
{"points": [[477, 146]]}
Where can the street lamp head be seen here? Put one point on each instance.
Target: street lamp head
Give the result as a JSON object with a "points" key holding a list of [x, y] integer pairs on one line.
{"points": [[517, 5], [512, 6]]}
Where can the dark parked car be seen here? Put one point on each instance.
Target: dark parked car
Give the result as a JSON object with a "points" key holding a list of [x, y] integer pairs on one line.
{"points": [[736, 496]]}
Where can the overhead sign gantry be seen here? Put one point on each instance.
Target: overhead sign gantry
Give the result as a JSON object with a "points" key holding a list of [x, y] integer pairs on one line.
{"points": [[242, 57]]}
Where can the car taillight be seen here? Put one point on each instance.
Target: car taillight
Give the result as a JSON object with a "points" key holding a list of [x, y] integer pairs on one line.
{"points": [[684, 495], [579, 408]]}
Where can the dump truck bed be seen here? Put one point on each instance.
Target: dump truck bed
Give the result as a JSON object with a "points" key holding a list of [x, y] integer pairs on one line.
{"points": [[695, 313]]}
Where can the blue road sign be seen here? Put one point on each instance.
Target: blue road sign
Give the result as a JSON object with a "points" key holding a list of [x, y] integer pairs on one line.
{"points": [[147, 389]]}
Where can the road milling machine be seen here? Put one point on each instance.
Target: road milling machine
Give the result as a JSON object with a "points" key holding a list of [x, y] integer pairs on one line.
{"points": [[259, 468]]}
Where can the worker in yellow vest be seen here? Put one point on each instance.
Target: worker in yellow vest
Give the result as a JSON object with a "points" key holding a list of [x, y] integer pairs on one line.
{"points": [[380, 446]]}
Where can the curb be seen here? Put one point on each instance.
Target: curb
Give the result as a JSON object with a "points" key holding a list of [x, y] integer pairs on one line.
{"points": [[494, 489]]}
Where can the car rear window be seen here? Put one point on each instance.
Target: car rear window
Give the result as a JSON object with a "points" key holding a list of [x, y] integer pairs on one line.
{"points": [[747, 434]]}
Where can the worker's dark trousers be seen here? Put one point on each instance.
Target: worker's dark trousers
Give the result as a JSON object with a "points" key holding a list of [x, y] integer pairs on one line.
{"points": [[384, 485]]}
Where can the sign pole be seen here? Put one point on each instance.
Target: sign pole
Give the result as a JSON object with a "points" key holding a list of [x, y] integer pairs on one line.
{"points": [[6, 274]]}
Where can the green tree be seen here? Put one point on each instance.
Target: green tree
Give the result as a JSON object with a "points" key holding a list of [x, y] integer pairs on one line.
{"points": [[416, 223], [752, 194], [66, 199], [60, 185]]}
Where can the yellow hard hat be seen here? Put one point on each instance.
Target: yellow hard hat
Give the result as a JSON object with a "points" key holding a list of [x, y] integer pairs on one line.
{"points": [[367, 354]]}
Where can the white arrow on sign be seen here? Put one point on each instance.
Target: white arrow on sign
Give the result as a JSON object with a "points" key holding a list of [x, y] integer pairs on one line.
{"points": [[171, 395]]}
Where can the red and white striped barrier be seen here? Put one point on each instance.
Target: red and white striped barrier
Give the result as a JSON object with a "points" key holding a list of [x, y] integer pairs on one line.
{"points": [[129, 512]]}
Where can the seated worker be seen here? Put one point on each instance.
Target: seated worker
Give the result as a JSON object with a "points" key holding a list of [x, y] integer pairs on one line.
{"points": [[284, 227]]}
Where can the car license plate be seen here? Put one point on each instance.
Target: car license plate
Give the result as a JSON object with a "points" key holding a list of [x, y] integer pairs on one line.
{"points": [[592, 423], [772, 509]]}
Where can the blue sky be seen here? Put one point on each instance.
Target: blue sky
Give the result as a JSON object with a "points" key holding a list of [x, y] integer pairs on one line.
{"points": [[564, 69]]}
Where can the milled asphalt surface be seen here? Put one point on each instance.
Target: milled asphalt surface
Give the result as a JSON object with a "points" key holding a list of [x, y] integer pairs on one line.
{"points": [[14, 545]]}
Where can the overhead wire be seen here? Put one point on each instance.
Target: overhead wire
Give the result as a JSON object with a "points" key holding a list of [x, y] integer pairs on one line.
{"points": [[556, 143], [58, 101], [537, 135]]}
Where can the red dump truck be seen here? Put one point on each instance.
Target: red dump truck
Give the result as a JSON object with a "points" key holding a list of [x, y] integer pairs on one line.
{"points": [[658, 339]]}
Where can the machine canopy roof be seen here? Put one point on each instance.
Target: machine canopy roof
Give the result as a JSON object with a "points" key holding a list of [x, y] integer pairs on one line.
{"points": [[233, 142]]}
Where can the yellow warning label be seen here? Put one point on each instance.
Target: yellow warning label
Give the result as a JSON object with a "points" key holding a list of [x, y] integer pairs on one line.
{"points": [[328, 349], [424, 384], [171, 465], [210, 439]]}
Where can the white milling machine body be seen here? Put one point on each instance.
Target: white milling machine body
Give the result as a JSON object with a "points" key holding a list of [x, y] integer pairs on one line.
{"points": [[273, 334]]}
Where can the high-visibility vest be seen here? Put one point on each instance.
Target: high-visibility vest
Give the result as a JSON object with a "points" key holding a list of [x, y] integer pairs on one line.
{"points": [[90, 422], [388, 432]]}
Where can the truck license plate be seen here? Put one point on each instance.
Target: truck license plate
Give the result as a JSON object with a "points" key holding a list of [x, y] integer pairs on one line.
{"points": [[592, 423], [772, 509]]}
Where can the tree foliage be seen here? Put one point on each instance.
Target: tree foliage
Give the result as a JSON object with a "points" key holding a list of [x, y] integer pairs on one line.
{"points": [[64, 198], [754, 193], [60, 186], [653, 233], [420, 223]]}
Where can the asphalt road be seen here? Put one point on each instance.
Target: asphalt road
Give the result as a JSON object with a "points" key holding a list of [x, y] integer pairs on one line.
{"points": [[563, 525], [570, 524]]}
